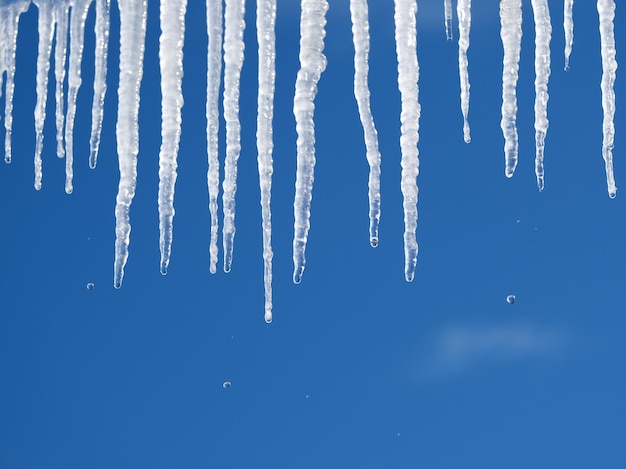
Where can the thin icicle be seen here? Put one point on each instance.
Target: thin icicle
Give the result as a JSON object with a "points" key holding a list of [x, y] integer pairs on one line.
{"points": [[543, 35], [463, 11], [45, 28], [233, 61], [568, 26], [103, 19], [447, 7], [361, 38], [266, 37], [606, 12], [312, 64], [60, 57], [133, 15], [77, 43], [10, 17], [171, 63], [214, 73], [511, 33], [408, 77]]}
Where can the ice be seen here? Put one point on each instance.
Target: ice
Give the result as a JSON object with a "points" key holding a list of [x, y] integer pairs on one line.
{"points": [[465, 20], [568, 27]]}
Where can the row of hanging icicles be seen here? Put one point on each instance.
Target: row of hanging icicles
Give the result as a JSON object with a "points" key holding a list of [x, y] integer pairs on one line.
{"points": [[225, 28]]}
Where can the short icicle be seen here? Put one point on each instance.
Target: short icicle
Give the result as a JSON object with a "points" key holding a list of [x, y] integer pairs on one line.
{"points": [[568, 27], [447, 12], [312, 64]]}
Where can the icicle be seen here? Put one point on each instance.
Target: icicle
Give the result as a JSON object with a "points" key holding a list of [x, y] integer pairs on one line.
{"points": [[511, 33], [361, 38], [77, 43], [171, 63], [606, 12], [45, 28], [103, 19], [312, 64], [60, 56], [408, 77], [133, 15], [463, 11], [214, 73], [568, 26], [447, 7], [266, 37], [233, 61], [543, 36], [9, 17]]}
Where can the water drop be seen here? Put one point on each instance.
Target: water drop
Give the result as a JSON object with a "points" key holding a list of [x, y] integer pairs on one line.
{"points": [[510, 299], [226, 384], [90, 286]]}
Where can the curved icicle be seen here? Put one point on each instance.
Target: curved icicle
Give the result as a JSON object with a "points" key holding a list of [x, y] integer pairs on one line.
{"points": [[463, 9], [171, 63], [447, 11], [312, 64], [606, 13], [133, 15], [266, 37], [408, 77], [568, 27], [543, 35], [511, 33]]}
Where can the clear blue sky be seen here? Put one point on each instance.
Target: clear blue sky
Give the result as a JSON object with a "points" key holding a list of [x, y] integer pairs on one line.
{"points": [[359, 368]]}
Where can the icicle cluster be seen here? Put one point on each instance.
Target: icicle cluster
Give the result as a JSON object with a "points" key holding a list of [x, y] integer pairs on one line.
{"points": [[59, 19]]}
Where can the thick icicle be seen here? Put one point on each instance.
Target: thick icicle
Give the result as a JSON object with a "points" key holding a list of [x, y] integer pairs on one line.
{"points": [[312, 64], [568, 27], [511, 33], [77, 43], [266, 37], [214, 73], [171, 63], [408, 77], [103, 19], [543, 35], [133, 15], [463, 11], [606, 12], [45, 28], [9, 18], [60, 57], [361, 38], [447, 10], [233, 61]]}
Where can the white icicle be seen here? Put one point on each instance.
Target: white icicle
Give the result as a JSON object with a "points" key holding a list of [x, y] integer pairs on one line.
{"points": [[361, 39], [312, 64], [214, 73], [60, 57], [233, 61], [543, 35], [133, 15], [447, 10], [103, 15], [266, 37], [511, 33], [408, 77], [77, 43], [171, 63], [45, 28], [606, 13], [463, 11], [9, 18], [568, 27]]}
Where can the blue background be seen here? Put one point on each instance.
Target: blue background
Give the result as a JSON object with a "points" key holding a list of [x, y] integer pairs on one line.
{"points": [[359, 369]]}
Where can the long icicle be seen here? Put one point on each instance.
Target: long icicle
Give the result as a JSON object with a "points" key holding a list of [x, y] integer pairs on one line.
{"points": [[171, 63], [606, 13], [511, 33], [568, 27], [361, 39], [233, 61], [447, 12], [463, 11], [60, 57], [214, 73], [133, 15], [312, 64], [103, 20], [543, 35], [266, 37], [408, 77]]}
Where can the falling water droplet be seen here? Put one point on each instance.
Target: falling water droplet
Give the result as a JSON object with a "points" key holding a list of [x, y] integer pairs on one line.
{"points": [[90, 286], [226, 384], [510, 299]]}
